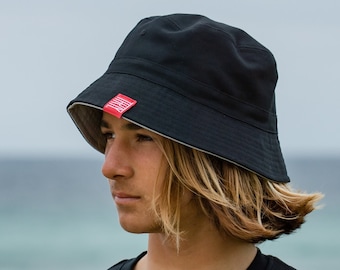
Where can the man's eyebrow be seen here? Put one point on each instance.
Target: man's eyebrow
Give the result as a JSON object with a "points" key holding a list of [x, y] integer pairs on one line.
{"points": [[131, 126], [104, 124]]}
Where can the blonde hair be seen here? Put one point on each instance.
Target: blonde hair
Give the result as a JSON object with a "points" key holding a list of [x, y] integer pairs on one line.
{"points": [[239, 202]]}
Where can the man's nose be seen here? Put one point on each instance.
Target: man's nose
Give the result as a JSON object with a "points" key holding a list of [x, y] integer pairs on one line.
{"points": [[117, 163]]}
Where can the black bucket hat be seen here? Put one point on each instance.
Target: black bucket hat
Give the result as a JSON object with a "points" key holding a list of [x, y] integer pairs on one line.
{"points": [[201, 83]]}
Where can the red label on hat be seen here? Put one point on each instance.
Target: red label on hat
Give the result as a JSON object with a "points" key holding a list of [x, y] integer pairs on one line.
{"points": [[119, 105]]}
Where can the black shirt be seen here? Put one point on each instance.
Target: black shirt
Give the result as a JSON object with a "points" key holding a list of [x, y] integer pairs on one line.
{"points": [[260, 262]]}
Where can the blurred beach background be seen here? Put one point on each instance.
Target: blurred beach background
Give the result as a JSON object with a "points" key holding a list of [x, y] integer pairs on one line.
{"points": [[56, 211], [59, 214]]}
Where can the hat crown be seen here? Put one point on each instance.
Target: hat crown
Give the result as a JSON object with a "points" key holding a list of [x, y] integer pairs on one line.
{"points": [[233, 70]]}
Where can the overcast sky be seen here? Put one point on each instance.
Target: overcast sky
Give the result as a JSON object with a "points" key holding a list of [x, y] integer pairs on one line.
{"points": [[52, 50]]}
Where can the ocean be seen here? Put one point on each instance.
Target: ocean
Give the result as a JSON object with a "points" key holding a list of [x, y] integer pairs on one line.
{"points": [[58, 213]]}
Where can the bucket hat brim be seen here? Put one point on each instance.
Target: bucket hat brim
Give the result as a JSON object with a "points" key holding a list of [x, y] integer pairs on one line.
{"points": [[197, 126]]}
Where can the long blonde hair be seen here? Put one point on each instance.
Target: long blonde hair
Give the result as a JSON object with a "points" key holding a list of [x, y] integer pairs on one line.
{"points": [[239, 202]]}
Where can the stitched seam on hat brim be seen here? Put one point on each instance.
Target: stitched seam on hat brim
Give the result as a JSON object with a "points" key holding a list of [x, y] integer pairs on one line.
{"points": [[193, 97], [199, 149], [94, 139], [203, 105]]}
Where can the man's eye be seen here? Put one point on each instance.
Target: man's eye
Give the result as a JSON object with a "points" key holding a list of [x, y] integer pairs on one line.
{"points": [[144, 138], [108, 135]]}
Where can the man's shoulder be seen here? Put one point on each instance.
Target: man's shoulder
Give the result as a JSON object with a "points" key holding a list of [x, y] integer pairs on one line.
{"points": [[268, 262], [127, 264], [277, 264], [260, 262]]}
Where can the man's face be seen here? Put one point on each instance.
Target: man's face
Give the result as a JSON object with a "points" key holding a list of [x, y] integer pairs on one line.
{"points": [[133, 163]]}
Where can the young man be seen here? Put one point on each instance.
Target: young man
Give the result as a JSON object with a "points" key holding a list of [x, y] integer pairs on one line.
{"points": [[185, 115]]}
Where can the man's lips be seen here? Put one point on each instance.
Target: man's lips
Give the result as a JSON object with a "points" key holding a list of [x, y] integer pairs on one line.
{"points": [[124, 198]]}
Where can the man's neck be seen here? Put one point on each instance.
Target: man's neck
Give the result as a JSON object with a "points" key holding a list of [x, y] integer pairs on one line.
{"points": [[203, 248]]}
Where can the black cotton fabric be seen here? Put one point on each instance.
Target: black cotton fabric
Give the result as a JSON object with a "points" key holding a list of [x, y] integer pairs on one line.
{"points": [[260, 262]]}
